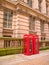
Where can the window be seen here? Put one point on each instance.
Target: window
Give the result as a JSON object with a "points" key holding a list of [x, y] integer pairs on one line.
{"points": [[32, 24], [46, 8], [43, 38], [7, 19], [40, 5], [42, 25], [29, 3]]}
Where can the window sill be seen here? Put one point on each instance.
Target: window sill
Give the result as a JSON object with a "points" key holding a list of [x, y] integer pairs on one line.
{"points": [[8, 28]]}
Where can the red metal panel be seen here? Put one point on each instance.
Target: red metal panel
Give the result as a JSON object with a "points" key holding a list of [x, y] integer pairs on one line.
{"points": [[36, 44], [31, 44]]}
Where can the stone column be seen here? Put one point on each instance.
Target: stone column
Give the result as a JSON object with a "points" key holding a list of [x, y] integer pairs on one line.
{"points": [[13, 23], [1, 27], [35, 4], [1, 43], [1, 22], [37, 27], [44, 44], [48, 31], [43, 6], [48, 9]]}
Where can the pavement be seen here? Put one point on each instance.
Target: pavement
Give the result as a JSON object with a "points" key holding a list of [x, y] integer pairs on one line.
{"points": [[20, 59]]}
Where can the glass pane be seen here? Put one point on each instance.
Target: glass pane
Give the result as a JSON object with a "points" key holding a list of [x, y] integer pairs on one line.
{"points": [[32, 23], [8, 19], [42, 26], [9, 25], [37, 45], [30, 3], [4, 24], [30, 44]]}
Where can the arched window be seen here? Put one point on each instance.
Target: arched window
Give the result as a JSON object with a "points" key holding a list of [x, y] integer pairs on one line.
{"points": [[29, 2]]}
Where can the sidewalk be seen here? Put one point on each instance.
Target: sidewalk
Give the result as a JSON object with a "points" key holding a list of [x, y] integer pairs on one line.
{"points": [[20, 59]]}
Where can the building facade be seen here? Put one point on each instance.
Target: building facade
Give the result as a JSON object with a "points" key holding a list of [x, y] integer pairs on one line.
{"points": [[19, 17]]}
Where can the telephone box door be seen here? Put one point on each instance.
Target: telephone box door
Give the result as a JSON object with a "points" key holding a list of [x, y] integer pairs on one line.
{"points": [[28, 45], [36, 44]]}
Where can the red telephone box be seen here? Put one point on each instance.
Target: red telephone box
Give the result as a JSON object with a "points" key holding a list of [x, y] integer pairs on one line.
{"points": [[28, 44], [35, 44], [31, 44]]}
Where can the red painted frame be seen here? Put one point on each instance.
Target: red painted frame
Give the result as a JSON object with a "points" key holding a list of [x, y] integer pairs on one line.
{"points": [[36, 44], [31, 44]]}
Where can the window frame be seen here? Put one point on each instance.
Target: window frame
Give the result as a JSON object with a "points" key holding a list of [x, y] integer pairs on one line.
{"points": [[42, 26], [29, 2], [39, 3], [32, 24], [7, 19]]}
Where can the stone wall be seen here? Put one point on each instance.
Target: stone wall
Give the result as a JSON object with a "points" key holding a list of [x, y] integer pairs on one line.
{"points": [[21, 26]]}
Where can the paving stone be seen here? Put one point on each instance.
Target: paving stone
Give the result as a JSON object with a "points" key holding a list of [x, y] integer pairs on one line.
{"points": [[20, 59]]}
